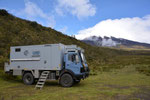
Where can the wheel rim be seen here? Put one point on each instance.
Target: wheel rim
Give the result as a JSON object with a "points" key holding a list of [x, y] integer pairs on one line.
{"points": [[28, 79], [66, 81]]}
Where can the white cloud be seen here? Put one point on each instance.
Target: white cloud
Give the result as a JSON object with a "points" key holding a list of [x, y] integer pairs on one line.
{"points": [[79, 8], [32, 11], [109, 42], [137, 29]]}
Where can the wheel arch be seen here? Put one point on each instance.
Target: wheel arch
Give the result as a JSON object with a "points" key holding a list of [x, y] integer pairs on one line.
{"points": [[27, 71], [69, 72]]}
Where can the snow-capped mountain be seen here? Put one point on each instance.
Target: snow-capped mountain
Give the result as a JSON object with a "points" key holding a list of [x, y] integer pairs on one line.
{"points": [[113, 42]]}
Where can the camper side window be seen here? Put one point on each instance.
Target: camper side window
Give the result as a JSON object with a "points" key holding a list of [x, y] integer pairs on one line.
{"points": [[36, 54], [17, 50]]}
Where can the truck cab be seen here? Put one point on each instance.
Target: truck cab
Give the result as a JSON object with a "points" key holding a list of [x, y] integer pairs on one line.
{"points": [[75, 64]]}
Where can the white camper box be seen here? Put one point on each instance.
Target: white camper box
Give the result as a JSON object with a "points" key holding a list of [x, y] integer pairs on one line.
{"points": [[37, 57]]}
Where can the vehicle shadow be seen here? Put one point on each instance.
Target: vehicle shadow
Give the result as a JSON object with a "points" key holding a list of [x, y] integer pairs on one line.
{"points": [[55, 83], [51, 83]]}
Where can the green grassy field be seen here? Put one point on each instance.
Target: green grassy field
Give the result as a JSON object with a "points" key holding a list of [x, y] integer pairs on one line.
{"points": [[118, 84]]}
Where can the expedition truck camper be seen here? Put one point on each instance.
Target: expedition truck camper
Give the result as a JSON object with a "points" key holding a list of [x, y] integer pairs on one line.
{"points": [[65, 63]]}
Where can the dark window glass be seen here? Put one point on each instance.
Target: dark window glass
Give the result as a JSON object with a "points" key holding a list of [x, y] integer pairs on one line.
{"points": [[72, 57], [17, 50]]}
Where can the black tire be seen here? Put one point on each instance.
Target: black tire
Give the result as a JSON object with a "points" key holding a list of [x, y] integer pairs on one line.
{"points": [[77, 81], [28, 79], [66, 80]]}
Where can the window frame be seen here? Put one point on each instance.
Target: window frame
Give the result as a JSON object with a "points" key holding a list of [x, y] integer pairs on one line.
{"points": [[17, 49]]}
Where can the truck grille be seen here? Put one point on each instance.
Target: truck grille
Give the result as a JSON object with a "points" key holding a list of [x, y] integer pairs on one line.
{"points": [[84, 70]]}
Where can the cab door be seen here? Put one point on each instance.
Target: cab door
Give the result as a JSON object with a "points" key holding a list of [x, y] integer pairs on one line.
{"points": [[73, 62]]}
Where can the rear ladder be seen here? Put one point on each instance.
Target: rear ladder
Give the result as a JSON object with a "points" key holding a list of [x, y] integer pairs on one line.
{"points": [[42, 79]]}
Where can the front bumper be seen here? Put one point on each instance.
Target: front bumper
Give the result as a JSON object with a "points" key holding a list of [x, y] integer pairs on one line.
{"points": [[82, 75]]}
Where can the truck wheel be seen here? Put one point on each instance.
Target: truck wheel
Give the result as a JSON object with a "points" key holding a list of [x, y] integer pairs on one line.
{"points": [[66, 80], [28, 79]]}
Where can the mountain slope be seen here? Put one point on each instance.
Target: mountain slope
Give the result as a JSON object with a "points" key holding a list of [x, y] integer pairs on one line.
{"points": [[15, 31], [114, 42]]}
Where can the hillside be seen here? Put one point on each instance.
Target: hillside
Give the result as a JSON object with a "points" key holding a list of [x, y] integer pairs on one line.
{"points": [[15, 31]]}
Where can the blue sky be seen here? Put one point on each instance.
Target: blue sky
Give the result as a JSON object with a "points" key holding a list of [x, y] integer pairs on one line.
{"points": [[85, 18]]}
